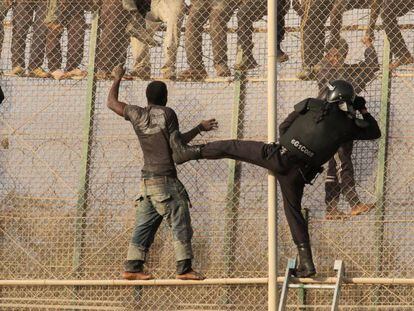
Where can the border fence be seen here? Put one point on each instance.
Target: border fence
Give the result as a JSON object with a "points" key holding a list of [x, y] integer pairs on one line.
{"points": [[70, 169]]}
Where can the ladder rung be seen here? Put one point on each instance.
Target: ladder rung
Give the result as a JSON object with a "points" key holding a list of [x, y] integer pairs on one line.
{"points": [[317, 286], [338, 266]]}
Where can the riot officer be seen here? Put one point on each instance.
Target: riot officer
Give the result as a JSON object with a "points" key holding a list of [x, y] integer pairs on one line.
{"points": [[310, 136]]}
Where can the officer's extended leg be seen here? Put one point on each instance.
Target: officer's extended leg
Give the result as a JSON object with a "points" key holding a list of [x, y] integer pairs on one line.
{"points": [[292, 185], [254, 152]]}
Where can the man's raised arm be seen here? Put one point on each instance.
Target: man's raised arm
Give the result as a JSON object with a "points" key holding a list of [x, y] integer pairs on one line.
{"points": [[113, 103]]}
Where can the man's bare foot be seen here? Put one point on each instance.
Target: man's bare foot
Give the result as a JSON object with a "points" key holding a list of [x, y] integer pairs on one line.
{"points": [[401, 62], [335, 214], [55, 26], [193, 74], [103, 75], [58, 74], [76, 74], [191, 275], [142, 276], [361, 208]]}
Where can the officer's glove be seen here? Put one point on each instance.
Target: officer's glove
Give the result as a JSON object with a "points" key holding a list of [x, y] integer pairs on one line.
{"points": [[359, 103]]}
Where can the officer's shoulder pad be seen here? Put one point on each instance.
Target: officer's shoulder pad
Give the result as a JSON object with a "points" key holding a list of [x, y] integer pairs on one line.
{"points": [[316, 101], [314, 104], [302, 106]]}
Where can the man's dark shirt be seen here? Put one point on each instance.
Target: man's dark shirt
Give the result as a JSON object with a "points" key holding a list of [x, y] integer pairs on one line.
{"points": [[153, 126], [359, 74]]}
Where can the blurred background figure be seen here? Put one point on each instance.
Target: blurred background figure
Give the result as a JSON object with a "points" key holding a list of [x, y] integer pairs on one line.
{"points": [[69, 15], [171, 12], [218, 13], [136, 10], [249, 12], [390, 11], [29, 14], [5, 6], [315, 14], [114, 39]]}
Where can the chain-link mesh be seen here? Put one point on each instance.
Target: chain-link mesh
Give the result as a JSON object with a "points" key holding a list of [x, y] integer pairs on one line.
{"points": [[70, 168]]}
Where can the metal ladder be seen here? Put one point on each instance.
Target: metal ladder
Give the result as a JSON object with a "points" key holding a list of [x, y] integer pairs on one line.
{"points": [[338, 266]]}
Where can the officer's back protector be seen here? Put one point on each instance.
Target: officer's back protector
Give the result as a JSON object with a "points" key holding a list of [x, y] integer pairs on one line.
{"points": [[314, 137]]}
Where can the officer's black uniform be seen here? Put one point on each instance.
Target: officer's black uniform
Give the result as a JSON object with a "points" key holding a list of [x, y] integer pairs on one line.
{"points": [[310, 136]]}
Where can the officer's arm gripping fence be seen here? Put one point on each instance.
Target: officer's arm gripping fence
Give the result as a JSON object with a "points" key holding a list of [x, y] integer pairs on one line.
{"points": [[70, 168]]}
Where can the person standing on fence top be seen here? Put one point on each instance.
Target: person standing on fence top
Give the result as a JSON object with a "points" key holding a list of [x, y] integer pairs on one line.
{"points": [[5, 6], [218, 13], [310, 136], [113, 38], [172, 13], [162, 196], [67, 14], [28, 19], [340, 174], [249, 12], [314, 15], [390, 11]]}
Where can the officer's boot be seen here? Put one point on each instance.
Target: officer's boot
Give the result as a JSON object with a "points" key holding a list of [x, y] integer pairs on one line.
{"points": [[305, 268], [183, 152]]}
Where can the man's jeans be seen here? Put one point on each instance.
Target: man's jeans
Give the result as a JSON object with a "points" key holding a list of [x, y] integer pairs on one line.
{"points": [[161, 198]]}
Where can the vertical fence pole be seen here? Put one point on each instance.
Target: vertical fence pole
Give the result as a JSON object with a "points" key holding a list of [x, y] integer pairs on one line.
{"points": [[271, 133], [87, 140], [302, 290], [380, 187], [233, 180]]}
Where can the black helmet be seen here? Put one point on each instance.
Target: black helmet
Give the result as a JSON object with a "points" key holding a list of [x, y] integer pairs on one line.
{"points": [[340, 90]]}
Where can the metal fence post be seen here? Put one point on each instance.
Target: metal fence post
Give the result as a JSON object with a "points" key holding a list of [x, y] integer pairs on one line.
{"points": [[302, 290], [380, 187], [82, 204], [233, 179], [271, 133]]}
